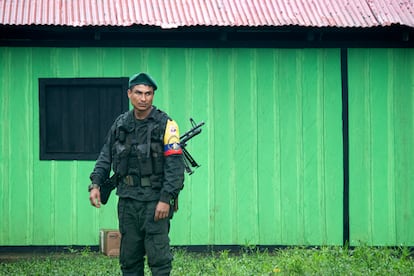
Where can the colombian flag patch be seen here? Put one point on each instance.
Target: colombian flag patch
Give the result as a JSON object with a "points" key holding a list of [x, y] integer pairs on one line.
{"points": [[172, 139]]}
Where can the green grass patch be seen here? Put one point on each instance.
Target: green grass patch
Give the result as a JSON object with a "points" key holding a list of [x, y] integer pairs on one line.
{"points": [[249, 261]]}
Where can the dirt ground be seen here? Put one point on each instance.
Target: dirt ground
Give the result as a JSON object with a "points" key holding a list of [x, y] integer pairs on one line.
{"points": [[8, 257], [14, 254]]}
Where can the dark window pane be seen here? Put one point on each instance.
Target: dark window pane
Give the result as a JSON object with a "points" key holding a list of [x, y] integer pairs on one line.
{"points": [[76, 114]]}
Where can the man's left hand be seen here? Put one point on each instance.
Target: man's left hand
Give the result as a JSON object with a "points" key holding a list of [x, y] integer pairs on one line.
{"points": [[162, 211]]}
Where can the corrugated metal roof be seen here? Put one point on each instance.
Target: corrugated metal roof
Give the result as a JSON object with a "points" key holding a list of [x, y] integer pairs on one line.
{"points": [[177, 13]]}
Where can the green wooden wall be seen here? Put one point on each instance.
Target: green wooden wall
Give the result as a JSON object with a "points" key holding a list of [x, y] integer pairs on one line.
{"points": [[381, 124], [271, 150]]}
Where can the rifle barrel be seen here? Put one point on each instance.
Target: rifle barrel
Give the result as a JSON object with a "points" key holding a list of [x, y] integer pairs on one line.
{"points": [[190, 134]]}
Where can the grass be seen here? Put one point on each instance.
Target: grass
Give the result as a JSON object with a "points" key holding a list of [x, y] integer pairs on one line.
{"points": [[249, 261]]}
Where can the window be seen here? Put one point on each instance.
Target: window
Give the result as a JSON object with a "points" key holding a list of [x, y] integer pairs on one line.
{"points": [[76, 114]]}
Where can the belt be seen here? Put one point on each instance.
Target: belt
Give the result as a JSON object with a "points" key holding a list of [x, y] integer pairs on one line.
{"points": [[133, 180]]}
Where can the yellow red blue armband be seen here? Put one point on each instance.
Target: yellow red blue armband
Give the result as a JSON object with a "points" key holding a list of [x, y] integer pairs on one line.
{"points": [[172, 139]]}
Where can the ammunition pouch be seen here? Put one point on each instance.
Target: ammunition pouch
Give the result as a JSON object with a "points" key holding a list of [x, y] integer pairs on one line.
{"points": [[144, 160], [120, 153], [157, 154]]}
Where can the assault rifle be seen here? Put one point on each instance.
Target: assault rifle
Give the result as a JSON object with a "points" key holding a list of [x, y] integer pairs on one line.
{"points": [[188, 159]]}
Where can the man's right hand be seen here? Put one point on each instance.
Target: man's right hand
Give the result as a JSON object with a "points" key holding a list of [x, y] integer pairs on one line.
{"points": [[95, 197]]}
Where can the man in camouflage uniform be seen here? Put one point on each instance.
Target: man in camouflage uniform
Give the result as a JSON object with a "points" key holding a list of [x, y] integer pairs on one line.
{"points": [[144, 151]]}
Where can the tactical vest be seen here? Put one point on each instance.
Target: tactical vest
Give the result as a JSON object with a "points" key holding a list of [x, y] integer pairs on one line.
{"points": [[138, 151]]}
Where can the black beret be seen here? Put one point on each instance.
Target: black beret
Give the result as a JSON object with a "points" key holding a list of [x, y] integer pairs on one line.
{"points": [[142, 78]]}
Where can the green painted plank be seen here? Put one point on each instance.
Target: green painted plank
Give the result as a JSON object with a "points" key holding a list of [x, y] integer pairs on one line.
{"points": [[289, 143], [88, 63], [269, 147], [5, 125], [331, 174], [358, 139], [157, 63], [111, 62], [245, 147], [313, 147], [403, 85], [380, 163], [42, 190], [132, 61], [177, 79], [197, 187], [223, 153], [20, 170]]}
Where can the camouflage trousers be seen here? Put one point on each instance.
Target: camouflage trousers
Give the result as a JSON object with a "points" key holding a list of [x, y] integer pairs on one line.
{"points": [[140, 236]]}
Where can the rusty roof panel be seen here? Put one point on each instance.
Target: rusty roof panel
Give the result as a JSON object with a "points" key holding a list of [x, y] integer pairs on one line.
{"points": [[389, 12], [177, 13]]}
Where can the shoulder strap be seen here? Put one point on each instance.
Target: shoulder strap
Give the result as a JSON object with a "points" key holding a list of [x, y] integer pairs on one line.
{"points": [[161, 118]]}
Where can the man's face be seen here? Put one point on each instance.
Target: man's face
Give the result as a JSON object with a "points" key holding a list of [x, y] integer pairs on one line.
{"points": [[141, 97]]}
